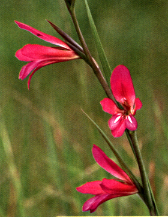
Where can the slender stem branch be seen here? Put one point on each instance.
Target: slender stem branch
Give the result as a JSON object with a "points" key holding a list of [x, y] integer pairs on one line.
{"points": [[148, 195], [91, 60]]}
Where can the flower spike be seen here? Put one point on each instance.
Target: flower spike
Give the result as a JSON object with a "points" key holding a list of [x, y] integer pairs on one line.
{"points": [[39, 56], [107, 188], [123, 91]]}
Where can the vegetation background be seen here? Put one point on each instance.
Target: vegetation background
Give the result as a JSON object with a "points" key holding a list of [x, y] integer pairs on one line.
{"points": [[46, 140]]}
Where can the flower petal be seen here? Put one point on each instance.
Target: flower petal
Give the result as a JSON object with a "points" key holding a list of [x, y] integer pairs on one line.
{"points": [[26, 70], [42, 35], [94, 202], [138, 104], [117, 125], [114, 187], [22, 57], [109, 165], [122, 86], [115, 121], [31, 52], [91, 188], [109, 106], [40, 65], [131, 123]]}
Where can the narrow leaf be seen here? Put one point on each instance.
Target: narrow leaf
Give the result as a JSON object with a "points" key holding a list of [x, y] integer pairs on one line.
{"points": [[117, 155], [102, 56]]}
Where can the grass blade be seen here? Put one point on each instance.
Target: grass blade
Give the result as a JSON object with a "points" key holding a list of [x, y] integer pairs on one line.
{"points": [[117, 155], [14, 174], [102, 56]]}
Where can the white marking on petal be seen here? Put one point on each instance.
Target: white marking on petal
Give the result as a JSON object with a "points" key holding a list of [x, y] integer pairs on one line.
{"points": [[117, 119], [129, 118]]}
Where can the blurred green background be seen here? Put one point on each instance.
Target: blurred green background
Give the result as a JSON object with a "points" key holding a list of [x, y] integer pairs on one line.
{"points": [[46, 140]]}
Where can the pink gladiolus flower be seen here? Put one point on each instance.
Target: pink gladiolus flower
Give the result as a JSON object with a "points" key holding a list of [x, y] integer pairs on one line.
{"points": [[39, 56], [107, 188], [123, 91]]}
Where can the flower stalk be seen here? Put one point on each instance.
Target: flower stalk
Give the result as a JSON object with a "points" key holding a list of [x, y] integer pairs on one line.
{"points": [[90, 59], [148, 195]]}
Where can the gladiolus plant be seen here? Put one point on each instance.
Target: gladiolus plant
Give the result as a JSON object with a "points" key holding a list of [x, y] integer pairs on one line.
{"points": [[120, 102]]}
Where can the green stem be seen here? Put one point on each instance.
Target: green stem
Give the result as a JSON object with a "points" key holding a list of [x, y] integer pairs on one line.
{"points": [[148, 195], [91, 60]]}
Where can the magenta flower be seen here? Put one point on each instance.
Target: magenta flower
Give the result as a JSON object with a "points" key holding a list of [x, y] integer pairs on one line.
{"points": [[123, 91], [39, 56], [107, 188]]}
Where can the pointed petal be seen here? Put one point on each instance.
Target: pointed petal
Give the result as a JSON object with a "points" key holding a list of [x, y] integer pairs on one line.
{"points": [[115, 121], [109, 165], [40, 65], [122, 86], [42, 35], [31, 52], [117, 125], [22, 57], [26, 70], [131, 123], [92, 204], [109, 106], [138, 104], [114, 187], [91, 188]]}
